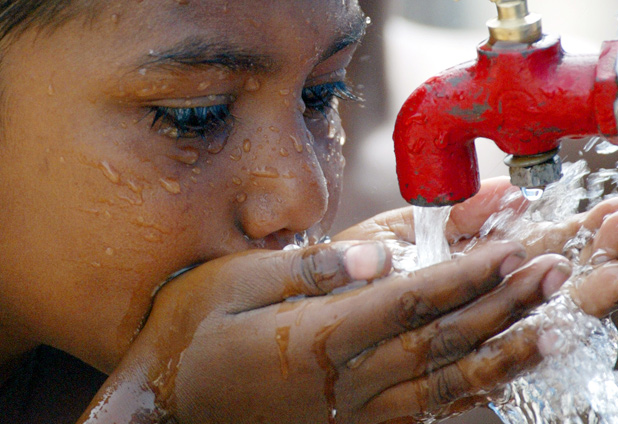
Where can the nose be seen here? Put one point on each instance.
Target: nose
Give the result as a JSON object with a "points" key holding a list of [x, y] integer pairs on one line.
{"points": [[286, 190]]}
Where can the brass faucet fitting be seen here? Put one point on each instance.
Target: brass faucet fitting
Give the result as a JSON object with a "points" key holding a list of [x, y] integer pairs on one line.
{"points": [[514, 23]]}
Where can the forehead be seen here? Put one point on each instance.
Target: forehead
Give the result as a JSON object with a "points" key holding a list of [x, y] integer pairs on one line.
{"points": [[268, 26]]}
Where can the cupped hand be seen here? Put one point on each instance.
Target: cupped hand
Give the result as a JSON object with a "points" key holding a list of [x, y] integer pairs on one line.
{"points": [[465, 220], [223, 345]]}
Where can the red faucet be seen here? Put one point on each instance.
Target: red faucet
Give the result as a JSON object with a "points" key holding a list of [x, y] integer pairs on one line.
{"points": [[523, 92]]}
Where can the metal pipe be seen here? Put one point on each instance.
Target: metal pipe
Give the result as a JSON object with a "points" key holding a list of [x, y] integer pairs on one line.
{"points": [[526, 96]]}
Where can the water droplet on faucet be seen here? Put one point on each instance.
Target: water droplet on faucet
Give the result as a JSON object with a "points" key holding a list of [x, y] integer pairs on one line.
{"points": [[532, 194]]}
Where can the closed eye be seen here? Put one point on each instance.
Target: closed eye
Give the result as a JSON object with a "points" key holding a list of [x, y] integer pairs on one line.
{"points": [[191, 122]]}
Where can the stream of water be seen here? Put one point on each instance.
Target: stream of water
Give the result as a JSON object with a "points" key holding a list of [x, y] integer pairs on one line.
{"points": [[576, 382]]}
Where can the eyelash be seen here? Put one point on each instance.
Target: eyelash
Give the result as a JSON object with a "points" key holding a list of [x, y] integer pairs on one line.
{"points": [[207, 120]]}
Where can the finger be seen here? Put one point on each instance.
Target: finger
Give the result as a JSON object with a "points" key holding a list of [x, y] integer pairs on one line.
{"points": [[396, 224], [468, 217], [497, 362], [597, 292], [454, 336], [255, 279], [605, 244], [594, 218], [400, 303]]}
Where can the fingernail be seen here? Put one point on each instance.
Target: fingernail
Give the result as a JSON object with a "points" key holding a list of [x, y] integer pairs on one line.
{"points": [[556, 277], [512, 262], [366, 261], [600, 257]]}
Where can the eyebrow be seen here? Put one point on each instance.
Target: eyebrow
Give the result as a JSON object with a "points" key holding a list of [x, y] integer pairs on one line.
{"points": [[196, 52]]}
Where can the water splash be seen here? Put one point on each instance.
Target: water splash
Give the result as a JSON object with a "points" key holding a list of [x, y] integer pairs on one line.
{"points": [[576, 382], [429, 225]]}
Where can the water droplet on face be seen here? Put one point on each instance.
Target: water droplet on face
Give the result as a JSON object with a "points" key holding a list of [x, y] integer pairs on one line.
{"points": [[142, 71], [236, 154], [188, 155], [532, 194], [236, 181], [265, 172], [170, 184], [274, 129], [241, 197], [246, 145], [298, 146], [332, 129], [137, 189], [114, 18], [252, 84], [215, 146], [50, 89], [109, 172], [109, 251], [153, 237], [203, 85], [284, 91], [196, 171], [284, 152]]}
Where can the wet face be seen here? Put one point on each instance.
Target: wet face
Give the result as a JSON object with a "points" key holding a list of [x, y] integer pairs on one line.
{"points": [[160, 134]]}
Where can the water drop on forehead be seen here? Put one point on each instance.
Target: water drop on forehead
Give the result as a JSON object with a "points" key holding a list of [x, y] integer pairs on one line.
{"points": [[203, 85], [532, 194]]}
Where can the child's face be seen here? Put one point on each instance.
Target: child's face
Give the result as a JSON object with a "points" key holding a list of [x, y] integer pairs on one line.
{"points": [[99, 205]]}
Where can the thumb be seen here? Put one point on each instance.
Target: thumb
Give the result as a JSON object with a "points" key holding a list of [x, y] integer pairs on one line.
{"points": [[258, 278]]}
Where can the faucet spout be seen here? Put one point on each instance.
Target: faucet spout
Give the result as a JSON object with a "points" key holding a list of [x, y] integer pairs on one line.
{"points": [[525, 97]]}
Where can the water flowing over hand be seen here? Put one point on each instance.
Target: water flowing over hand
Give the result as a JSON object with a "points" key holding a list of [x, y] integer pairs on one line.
{"points": [[268, 336]]}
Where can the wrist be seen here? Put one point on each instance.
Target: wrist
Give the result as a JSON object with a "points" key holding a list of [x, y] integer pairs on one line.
{"points": [[126, 400]]}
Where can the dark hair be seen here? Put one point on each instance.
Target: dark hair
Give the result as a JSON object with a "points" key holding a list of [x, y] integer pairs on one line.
{"points": [[16, 16]]}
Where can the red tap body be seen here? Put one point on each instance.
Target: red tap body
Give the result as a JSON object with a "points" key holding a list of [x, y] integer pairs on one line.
{"points": [[523, 97]]}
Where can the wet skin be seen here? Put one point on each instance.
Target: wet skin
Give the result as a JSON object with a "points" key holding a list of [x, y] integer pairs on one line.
{"points": [[100, 206]]}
